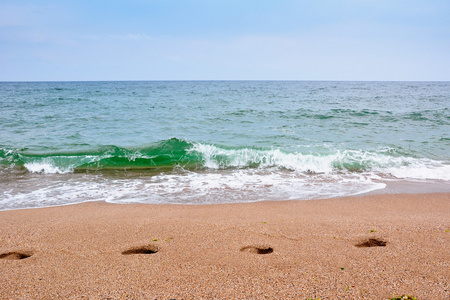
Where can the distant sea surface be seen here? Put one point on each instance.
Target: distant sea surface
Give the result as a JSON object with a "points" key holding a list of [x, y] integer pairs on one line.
{"points": [[208, 142]]}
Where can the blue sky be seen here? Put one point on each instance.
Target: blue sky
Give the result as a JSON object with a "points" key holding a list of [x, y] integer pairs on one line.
{"points": [[224, 40]]}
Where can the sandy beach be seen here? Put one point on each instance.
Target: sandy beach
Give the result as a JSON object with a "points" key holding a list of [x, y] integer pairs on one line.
{"points": [[275, 250]]}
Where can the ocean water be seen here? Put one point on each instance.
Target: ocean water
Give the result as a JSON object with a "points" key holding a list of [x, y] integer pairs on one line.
{"points": [[198, 142]]}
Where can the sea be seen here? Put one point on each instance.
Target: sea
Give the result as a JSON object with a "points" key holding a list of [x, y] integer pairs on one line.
{"points": [[213, 142]]}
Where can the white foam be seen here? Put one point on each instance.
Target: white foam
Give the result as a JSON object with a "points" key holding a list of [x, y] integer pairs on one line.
{"points": [[219, 158], [189, 188], [61, 165], [433, 171], [381, 162], [44, 167]]}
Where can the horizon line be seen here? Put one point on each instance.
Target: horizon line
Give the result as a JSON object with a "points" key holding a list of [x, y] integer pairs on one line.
{"points": [[217, 80]]}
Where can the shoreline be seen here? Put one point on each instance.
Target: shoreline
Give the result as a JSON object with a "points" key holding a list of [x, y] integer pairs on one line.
{"points": [[393, 187], [307, 249]]}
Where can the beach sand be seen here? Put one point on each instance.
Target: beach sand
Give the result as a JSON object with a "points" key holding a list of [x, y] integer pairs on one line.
{"points": [[307, 250]]}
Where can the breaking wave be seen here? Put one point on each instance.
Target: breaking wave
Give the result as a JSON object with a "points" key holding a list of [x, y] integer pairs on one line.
{"points": [[174, 153]]}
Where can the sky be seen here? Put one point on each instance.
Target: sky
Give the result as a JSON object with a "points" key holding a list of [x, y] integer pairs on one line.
{"points": [[61, 40]]}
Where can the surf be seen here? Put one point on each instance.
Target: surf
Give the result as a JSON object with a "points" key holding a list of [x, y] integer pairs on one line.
{"points": [[168, 155]]}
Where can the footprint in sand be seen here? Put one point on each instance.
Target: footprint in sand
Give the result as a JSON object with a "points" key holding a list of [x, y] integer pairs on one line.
{"points": [[16, 255], [257, 249], [147, 249], [371, 243]]}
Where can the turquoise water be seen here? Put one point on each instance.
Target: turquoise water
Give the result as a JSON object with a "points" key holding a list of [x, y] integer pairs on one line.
{"points": [[200, 142]]}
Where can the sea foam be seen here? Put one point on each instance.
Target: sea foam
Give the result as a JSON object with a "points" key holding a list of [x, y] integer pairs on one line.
{"points": [[44, 168]]}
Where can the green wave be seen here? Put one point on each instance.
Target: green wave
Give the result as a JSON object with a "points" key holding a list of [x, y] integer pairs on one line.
{"points": [[163, 155], [167, 155]]}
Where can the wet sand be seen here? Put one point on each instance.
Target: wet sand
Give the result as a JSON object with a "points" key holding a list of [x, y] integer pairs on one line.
{"points": [[372, 247]]}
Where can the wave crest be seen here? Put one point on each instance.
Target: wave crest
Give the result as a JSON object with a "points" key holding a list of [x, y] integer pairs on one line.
{"points": [[173, 153]]}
